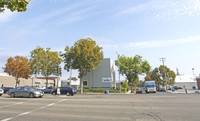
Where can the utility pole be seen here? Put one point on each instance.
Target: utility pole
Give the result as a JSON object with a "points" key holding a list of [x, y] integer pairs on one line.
{"points": [[119, 72], [163, 60]]}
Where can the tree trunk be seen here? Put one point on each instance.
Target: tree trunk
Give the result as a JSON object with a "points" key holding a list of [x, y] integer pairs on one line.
{"points": [[133, 87], [16, 82], [46, 82], [81, 85]]}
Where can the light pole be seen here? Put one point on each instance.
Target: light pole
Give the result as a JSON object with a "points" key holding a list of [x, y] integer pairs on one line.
{"points": [[118, 63]]}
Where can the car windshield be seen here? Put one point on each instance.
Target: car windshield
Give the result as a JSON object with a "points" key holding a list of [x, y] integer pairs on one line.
{"points": [[150, 85]]}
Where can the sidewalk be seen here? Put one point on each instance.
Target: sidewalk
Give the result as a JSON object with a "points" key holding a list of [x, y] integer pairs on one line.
{"points": [[182, 91]]}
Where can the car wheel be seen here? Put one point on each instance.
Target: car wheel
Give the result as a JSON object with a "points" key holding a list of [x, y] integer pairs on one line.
{"points": [[31, 95], [0, 94], [12, 95], [72, 94], [67, 94], [53, 93]]}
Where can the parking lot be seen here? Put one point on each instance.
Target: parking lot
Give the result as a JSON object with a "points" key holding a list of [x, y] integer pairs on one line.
{"points": [[101, 107]]}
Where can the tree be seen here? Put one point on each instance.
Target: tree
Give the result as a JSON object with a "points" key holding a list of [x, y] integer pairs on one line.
{"points": [[84, 55], [45, 62], [14, 5], [148, 78], [158, 75], [18, 67], [132, 67], [170, 75], [155, 75]]}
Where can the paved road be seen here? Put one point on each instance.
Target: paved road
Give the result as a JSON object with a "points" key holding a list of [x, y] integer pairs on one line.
{"points": [[99, 107]]}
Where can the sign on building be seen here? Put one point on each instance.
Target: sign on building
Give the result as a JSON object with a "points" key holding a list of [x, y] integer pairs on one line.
{"points": [[106, 80]]}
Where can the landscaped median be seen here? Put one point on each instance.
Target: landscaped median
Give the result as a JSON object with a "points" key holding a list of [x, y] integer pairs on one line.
{"points": [[99, 90]]}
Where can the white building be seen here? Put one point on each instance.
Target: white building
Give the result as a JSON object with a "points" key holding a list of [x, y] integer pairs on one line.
{"points": [[102, 77], [185, 80]]}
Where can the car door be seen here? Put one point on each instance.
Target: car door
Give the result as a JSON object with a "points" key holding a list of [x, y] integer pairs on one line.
{"points": [[26, 92], [62, 90], [18, 91]]}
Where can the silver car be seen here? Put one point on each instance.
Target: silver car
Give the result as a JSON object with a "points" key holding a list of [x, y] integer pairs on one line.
{"points": [[25, 92]]}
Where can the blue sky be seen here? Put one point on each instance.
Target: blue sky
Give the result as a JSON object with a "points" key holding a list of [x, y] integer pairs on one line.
{"points": [[150, 28]]}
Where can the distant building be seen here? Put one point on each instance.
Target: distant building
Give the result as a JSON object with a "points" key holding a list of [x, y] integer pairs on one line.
{"points": [[102, 77], [9, 81], [185, 80], [74, 84]]}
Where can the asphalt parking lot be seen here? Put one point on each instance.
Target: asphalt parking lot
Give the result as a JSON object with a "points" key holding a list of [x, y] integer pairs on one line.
{"points": [[101, 107]]}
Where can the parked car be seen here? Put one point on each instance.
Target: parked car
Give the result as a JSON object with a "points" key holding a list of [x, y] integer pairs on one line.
{"points": [[6, 89], [64, 90], [1, 91], [161, 90], [47, 90], [25, 92]]}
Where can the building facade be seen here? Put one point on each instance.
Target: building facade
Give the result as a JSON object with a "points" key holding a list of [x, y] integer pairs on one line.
{"points": [[102, 77], [9, 81]]}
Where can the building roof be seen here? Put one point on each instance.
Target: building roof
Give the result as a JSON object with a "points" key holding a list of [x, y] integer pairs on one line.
{"points": [[185, 78]]}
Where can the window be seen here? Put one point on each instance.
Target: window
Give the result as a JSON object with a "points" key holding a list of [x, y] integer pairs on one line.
{"points": [[84, 83]]}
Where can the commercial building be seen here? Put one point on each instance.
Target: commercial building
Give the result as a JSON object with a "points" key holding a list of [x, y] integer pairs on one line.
{"points": [[102, 77], [9, 81], [189, 81]]}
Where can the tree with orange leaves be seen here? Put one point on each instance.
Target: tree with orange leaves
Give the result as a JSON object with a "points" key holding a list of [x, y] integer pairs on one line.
{"points": [[18, 67]]}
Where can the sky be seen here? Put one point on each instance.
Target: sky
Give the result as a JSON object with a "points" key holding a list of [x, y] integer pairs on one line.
{"points": [[150, 28]]}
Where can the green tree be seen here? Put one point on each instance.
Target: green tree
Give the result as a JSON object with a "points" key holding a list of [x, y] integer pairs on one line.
{"points": [[132, 67], [84, 56], [170, 75], [155, 75], [158, 75], [18, 67], [14, 5], [45, 62]]}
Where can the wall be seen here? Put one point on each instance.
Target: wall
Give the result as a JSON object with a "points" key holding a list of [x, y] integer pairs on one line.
{"points": [[9, 81]]}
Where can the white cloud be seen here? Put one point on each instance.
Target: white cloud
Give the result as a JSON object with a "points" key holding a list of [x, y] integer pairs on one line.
{"points": [[164, 9], [152, 44], [6, 16]]}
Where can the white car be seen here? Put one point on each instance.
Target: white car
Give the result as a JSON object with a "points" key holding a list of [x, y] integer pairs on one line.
{"points": [[1, 91]]}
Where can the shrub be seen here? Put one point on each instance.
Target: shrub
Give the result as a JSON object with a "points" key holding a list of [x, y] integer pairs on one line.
{"points": [[124, 90]]}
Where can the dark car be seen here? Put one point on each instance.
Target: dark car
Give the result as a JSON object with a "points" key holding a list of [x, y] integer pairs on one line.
{"points": [[64, 90], [6, 89], [47, 90], [161, 90], [25, 92]]}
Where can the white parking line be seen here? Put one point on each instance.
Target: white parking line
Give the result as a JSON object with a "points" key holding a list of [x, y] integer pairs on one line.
{"points": [[11, 105], [28, 112]]}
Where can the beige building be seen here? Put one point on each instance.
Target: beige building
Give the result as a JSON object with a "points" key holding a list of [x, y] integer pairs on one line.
{"points": [[9, 81]]}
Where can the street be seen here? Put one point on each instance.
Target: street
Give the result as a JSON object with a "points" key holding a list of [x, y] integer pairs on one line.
{"points": [[100, 107]]}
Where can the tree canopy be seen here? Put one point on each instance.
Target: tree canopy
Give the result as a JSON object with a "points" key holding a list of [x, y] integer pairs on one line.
{"points": [[84, 56], [14, 5], [158, 75], [45, 62], [18, 67], [132, 67]]}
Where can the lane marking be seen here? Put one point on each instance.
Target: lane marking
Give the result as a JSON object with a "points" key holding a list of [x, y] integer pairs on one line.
{"points": [[28, 112], [11, 105], [7, 119]]}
